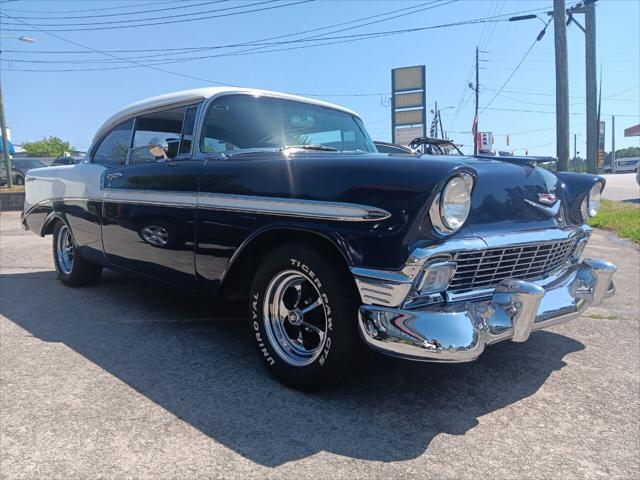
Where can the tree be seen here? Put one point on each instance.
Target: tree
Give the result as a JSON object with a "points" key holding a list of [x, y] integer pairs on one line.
{"points": [[47, 147], [577, 164]]}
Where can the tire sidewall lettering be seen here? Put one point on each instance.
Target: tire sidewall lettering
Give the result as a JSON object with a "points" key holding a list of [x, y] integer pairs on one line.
{"points": [[257, 317]]}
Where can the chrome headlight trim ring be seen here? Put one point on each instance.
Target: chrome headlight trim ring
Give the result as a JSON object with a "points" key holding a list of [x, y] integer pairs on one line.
{"points": [[437, 211]]}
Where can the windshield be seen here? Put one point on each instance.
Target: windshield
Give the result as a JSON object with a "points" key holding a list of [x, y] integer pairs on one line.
{"points": [[28, 163], [241, 122]]}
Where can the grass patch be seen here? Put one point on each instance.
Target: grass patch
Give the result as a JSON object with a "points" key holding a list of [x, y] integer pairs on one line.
{"points": [[621, 218], [600, 316], [15, 188]]}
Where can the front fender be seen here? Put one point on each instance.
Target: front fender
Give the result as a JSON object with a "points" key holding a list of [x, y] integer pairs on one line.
{"points": [[575, 187]]}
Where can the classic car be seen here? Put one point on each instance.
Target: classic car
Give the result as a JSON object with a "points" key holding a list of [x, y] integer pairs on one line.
{"points": [[20, 166], [68, 160], [435, 146], [284, 202], [386, 147]]}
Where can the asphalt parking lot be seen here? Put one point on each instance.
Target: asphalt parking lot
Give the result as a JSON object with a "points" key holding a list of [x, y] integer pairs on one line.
{"points": [[122, 380], [622, 187]]}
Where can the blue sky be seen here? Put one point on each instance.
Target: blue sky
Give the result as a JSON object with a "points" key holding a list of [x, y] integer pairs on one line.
{"points": [[72, 105]]}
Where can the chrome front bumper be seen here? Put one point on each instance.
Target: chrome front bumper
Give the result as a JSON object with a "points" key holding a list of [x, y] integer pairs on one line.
{"points": [[458, 332]]}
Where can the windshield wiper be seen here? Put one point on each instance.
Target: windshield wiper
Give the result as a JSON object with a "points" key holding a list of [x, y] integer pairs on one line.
{"points": [[311, 146]]}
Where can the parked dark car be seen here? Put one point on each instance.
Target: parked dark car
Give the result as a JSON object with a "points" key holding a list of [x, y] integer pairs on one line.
{"points": [[435, 146], [393, 148], [66, 161], [20, 167], [283, 202]]}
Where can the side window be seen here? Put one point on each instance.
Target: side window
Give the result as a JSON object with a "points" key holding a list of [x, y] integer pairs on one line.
{"points": [[164, 126], [114, 147]]}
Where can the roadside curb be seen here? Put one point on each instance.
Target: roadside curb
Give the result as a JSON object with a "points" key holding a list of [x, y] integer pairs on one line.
{"points": [[11, 201]]}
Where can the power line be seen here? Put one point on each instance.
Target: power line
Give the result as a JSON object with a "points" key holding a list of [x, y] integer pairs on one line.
{"points": [[91, 9], [171, 21], [513, 72], [152, 67], [191, 76], [103, 15], [242, 44], [548, 94], [553, 112], [261, 43], [340, 39]]}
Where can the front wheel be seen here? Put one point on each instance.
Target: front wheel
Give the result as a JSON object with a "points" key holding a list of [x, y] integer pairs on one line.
{"points": [[304, 311], [72, 269]]}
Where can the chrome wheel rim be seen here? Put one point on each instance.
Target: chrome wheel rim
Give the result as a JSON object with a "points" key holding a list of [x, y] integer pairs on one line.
{"points": [[295, 318], [64, 250], [155, 235]]}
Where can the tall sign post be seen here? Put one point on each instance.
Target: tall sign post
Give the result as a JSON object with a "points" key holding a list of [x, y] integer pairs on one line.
{"points": [[601, 145], [408, 104]]}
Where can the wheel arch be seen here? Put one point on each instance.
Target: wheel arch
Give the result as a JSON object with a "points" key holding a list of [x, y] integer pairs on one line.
{"points": [[235, 285], [50, 223]]}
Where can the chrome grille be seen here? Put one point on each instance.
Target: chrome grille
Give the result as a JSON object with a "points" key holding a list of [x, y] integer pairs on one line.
{"points": [[487, 268]]}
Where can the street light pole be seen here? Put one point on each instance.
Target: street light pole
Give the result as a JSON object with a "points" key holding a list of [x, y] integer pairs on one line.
{"points": [[3, 121]]}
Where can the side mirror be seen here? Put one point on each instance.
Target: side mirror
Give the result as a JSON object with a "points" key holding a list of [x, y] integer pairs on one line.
{"points": [[158, 147]]}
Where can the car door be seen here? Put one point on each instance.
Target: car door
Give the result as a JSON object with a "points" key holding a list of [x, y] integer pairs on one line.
{"points": [[149, 203]]}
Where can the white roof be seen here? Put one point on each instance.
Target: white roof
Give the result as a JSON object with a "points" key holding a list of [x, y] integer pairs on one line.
{"points": [[197, 94]]}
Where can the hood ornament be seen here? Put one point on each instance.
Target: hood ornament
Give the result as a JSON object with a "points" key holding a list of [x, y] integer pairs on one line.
{"points": [[545, 199]]}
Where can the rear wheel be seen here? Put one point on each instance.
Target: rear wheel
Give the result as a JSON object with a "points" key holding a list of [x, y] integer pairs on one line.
{"points": [[72, 269], [304, 317]]}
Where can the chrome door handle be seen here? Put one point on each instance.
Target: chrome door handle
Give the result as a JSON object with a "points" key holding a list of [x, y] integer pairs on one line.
{"points": [[113, 176]]}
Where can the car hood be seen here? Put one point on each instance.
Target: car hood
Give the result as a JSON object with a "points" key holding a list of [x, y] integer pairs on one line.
{"points": [[508, 196]]}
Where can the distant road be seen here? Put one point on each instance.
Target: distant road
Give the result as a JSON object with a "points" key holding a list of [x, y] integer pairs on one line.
{"points": [[621, 186]]}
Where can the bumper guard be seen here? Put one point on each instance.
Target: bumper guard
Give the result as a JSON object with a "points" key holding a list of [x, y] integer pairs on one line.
{"points": [[459, 332]]}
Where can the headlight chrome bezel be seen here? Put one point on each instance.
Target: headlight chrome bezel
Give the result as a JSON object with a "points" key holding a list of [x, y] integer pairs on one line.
{"points": [[591, 203], [437, 215]]}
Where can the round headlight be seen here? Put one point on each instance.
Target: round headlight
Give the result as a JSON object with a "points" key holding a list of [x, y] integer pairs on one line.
{"points": [[591, 203], [451, 208], [594, 199]]}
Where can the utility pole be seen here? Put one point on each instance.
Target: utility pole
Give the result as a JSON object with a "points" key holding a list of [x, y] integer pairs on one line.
{"points": [[592, 87], [613, 144], [5, 143], [588, 7], [575, 147], [477, 89], [562, 85]]}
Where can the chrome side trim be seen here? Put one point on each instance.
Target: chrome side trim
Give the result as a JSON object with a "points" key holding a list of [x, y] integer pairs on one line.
{"points": [[152, 197], [291, 207]]}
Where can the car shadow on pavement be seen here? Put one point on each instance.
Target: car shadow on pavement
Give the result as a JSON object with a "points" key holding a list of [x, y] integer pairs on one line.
{"points": [[201, 366]]}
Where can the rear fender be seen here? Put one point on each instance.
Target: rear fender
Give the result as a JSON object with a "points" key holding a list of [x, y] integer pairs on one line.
{"points": [[50, 221]]}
